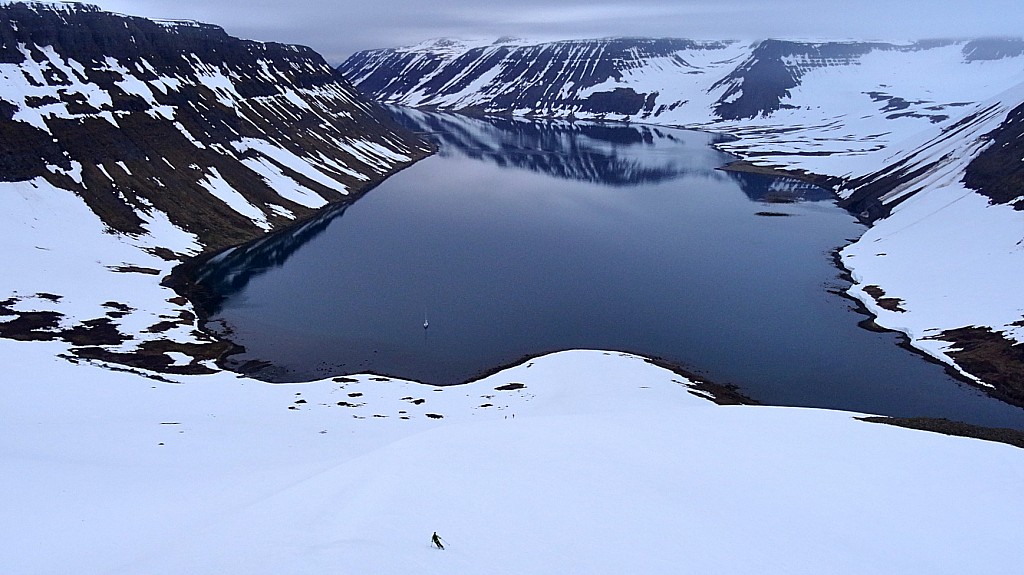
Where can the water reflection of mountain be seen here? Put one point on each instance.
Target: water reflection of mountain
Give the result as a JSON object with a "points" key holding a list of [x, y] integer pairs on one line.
{"points": [[604, 153], [231, 270], [774, 189]]}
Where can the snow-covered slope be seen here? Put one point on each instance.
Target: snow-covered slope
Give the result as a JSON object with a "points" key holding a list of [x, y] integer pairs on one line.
{"points": [[128, 145], [579, 462], [946, 262]]}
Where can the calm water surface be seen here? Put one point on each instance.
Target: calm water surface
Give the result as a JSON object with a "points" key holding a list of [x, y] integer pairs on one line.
{"points": [[521, 238]]}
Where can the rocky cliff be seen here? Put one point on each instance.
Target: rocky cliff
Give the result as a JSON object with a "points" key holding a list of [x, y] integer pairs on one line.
{"points": [[128, 145]]}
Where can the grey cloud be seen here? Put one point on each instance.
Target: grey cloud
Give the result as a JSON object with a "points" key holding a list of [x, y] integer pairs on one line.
{"points": [[338, 28]]}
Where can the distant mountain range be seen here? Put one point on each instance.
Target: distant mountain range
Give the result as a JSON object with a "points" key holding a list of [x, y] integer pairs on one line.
{"points": [[836, 110], [670, 80]]}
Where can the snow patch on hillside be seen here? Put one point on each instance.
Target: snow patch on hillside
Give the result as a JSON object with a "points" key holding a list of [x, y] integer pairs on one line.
{"points": [[56, 246]]}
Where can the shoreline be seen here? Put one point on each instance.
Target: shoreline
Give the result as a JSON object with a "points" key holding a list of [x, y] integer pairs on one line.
{"points": [[746, 166], [181, 280], [980, 347], [182, 277]]}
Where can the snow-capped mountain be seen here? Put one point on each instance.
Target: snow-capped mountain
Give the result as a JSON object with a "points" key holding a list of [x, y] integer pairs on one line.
{"points": [[127, 145], [189, 112], [553, 79], [804, 104], [905, 134]]}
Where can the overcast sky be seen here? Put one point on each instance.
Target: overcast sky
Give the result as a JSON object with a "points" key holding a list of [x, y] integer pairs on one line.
{"points": [[337, 28]]}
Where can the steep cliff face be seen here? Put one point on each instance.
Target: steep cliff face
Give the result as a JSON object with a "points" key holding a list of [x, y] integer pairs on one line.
{"points": [[998, 171], [128, 145], [582, 78], [227, 138]]}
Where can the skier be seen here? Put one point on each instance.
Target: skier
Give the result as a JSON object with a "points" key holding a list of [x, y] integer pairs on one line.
{"points": [[436, 540]]}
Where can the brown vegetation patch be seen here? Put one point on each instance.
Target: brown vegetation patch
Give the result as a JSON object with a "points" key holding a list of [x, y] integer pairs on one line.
{"points": [[719, 393], [5, 306], [947, 427], [889, 303], [991, 357], [151, 355], [161, 327], [99, 331], [827, 182], [32, 326], [165, 254]]}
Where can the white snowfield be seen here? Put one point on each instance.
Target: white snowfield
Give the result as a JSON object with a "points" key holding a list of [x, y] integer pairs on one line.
{"points": [[55, 245], [602, 463]]}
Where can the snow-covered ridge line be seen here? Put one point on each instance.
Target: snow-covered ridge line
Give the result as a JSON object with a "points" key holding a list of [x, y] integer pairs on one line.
{"points": [[124, 157], [54, 5], [948, 253]]}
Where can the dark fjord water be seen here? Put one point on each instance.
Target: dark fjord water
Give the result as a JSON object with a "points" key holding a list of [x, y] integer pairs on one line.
{"points": [[521, 238]]}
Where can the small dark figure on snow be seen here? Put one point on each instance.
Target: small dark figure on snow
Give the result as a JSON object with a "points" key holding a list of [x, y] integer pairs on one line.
{"points": [[436, 540]]}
